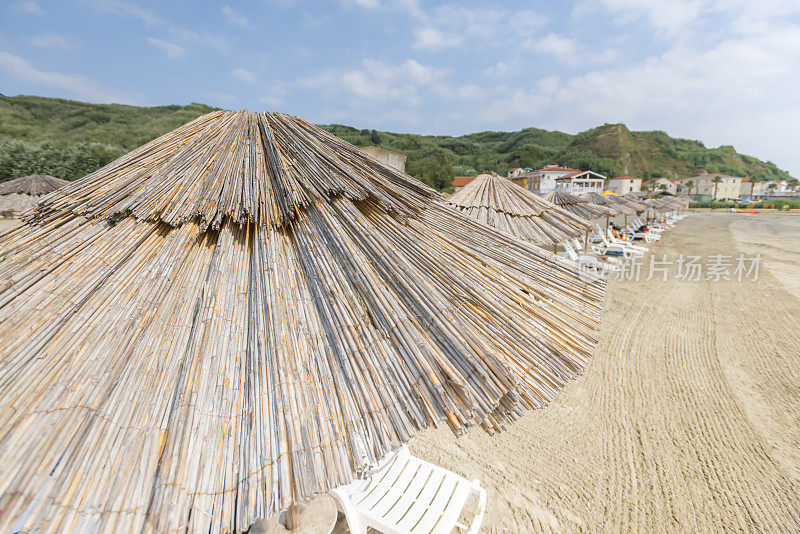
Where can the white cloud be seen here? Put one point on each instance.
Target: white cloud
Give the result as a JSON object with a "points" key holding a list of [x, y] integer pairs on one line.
{"points": [[172, 50], [117, 7], [434, 38], [244, 75], [667, 16], [470, 92], [369, 4], [379, 81], [53, 40], [30, 7], [201, 39], [235, 18], [451, 25], [562, 47], [501, 68], [75, 85]]}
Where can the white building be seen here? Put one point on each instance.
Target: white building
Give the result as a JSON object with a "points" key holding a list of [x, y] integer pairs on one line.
{"points": [[670, 186], [727, 188], [580, 182], [543, 181], [763, 189], [622, 185], [516, 171]]}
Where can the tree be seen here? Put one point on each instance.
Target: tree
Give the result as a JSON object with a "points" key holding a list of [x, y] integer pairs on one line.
{"points": [[772, 187], [717, 180], [663, 187], [375, 137]]}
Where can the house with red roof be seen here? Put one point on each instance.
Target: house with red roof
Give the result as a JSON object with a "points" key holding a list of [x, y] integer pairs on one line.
{"points": [[461, 181], [543, 181]]}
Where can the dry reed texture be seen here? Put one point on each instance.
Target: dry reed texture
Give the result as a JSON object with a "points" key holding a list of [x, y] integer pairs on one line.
{"points": [[498, 202], [236, 315], [581, 208]]}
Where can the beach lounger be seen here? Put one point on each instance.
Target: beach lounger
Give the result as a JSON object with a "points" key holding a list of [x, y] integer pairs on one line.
{"points": [[589, 263], [649, 237], [406, 494], [594, 249]]}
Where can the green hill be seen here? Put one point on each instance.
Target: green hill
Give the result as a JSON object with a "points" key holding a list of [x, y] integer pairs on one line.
{"points": [[69, 139]]}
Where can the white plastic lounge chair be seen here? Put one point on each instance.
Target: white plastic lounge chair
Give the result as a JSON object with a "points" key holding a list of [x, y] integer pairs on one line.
{"points": [[591, 264], [649, 237], [611, 244], [634, 248], [596, 250], [407, 495]]}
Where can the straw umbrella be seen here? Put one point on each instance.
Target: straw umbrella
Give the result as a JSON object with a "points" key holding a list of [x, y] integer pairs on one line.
{"points": [[600, 200], [21, 194], [243, 313], [498, 202], [578, 206]]}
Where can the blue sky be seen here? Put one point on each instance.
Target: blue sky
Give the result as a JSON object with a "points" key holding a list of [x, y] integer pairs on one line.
{"points": [[722, 71]]}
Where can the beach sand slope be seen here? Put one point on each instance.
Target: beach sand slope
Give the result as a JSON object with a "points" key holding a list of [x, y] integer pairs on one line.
{"points": [[686, 420]]}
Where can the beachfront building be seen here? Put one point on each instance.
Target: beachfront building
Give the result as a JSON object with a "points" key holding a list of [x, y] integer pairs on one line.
{"points": [[670, 186], [622, 185], [461, 181], [746, 189], [543, 181], [578, 183], [727, 188], [763, 189]]}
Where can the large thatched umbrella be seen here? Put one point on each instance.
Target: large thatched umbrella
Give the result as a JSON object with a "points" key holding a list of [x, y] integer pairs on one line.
{"points": [[581, 208], [498, 202], [21, 194], [220, 322]]}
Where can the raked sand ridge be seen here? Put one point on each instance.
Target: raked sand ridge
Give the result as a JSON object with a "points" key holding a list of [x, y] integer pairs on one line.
{"points": [[686, 420]]}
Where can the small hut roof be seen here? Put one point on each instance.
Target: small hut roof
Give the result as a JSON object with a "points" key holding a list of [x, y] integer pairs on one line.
{"points": [[34, 185], [578, 206], [235, 315], [498, 202]]}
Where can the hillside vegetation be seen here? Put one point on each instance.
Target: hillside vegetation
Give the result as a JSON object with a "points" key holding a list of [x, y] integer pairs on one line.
{"points": [[69, 139]]}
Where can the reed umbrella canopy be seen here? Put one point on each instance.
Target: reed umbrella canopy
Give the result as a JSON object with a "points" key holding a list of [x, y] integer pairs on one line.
{"points": [[498, 202], [600, 200], [581, 208], [621, 205], [21, 194], [242, 313]]}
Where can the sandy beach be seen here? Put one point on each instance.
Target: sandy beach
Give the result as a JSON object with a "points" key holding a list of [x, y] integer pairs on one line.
{"points": [[686, 420]]}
